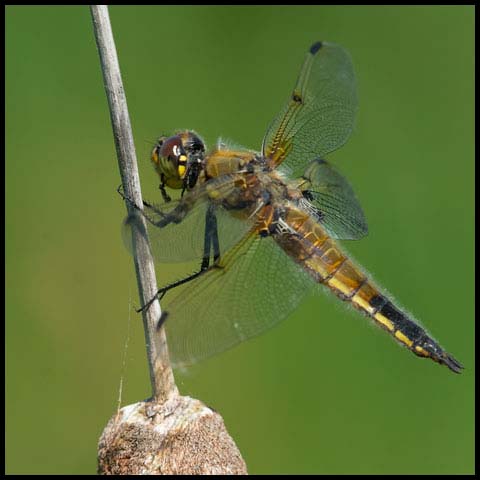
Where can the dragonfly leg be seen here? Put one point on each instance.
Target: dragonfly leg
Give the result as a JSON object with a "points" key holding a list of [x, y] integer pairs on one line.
{"points": [[162, 291], [174, 216], [204, 268], [210, 245], [166, 197]]}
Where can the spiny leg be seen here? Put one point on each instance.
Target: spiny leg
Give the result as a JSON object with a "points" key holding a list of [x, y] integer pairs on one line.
{"points": [[174, 216], [166, 197], [210, 243]]}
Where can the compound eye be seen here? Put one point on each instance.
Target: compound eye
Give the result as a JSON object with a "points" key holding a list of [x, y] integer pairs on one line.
{"points": [[172, 149], [156, 150]]}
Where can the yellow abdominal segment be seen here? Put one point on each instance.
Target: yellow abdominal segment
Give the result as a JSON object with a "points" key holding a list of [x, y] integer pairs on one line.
{"points": [[323, 259]]}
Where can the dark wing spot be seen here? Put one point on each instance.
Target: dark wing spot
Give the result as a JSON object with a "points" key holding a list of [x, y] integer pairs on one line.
{"points": [[308, 194], [296, 98], [315, 47]]}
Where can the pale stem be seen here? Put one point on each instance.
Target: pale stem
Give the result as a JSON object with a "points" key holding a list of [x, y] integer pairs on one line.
{"points": [[161, 375]]}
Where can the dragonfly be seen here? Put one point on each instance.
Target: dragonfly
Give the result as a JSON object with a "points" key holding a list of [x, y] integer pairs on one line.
{"points": [[265, 225]]}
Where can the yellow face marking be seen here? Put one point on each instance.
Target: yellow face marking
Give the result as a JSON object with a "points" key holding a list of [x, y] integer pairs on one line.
{"points": [[404, 339], [385, 321], [181, 170]]}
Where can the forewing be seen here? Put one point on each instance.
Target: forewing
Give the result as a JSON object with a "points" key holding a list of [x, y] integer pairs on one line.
{"points": [[182, 239], [333, 200], [256, 286], [319, 115]]}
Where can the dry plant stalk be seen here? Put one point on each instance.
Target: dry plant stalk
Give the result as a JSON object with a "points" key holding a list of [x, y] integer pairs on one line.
{"points": [[168, 433]]}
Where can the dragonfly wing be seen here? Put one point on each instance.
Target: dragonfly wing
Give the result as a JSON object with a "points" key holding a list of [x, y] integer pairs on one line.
{"points": [[319, 115], [329, 197], [256, 286], [181, 237]]}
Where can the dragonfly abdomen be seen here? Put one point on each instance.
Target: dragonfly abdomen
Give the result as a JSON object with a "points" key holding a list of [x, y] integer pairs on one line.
{"points": [[308, 244]]}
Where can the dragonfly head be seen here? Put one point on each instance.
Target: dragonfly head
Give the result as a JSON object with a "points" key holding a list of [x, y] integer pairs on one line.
{"points": [[179, 159]]}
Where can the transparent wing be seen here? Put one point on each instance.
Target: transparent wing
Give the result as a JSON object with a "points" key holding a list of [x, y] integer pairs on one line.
{"points": [[333, 200], [177, 229], [257, 286], [319, 115]]}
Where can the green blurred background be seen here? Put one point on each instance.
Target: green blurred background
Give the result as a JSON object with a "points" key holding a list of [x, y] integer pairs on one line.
{"points": [[324, 392]]}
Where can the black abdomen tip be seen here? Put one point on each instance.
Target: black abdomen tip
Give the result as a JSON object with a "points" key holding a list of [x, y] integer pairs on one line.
{"points": [[315, 47], [451, 363]]}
